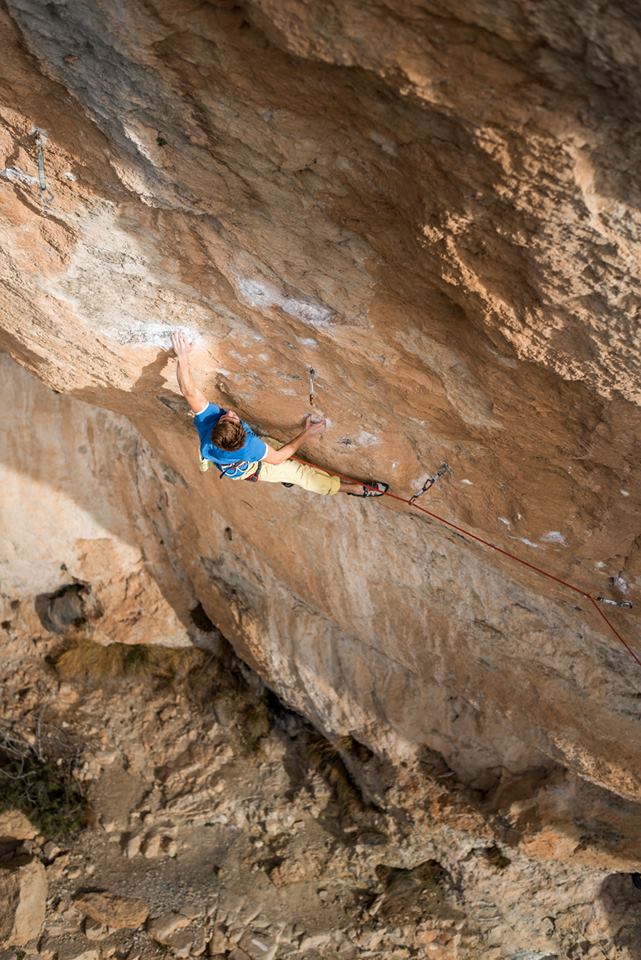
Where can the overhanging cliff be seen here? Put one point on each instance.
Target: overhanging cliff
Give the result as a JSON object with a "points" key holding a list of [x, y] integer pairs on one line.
{"points": [[436, 207]]}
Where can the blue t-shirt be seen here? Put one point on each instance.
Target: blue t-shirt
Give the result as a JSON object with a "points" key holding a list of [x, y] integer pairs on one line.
{"points": [[253, 450]]}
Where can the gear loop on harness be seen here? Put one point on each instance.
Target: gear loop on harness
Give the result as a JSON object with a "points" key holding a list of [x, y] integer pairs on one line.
{"points": [[242, 465]]}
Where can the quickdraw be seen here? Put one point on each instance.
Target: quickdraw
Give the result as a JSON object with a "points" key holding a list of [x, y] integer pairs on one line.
{"points": [[442, 470], [46, 195], [616, 603], [506, 553]]}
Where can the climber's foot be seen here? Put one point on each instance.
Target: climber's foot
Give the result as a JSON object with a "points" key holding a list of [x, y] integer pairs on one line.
{"points": [[372, 488]]}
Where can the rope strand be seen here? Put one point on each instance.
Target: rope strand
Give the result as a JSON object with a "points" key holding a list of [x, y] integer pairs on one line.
{"points": [[491, 546]]}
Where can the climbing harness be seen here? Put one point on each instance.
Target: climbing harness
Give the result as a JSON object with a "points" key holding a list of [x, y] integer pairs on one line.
{"points": [[227, 469], [442, 470], [312, 375], [506, 553]]}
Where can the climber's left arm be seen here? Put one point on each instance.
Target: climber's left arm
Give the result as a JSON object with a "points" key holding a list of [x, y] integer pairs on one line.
{"points": [[194, 397]]}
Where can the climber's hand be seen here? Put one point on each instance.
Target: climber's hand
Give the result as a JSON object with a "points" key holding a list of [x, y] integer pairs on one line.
{"points": [[180, 343], [313, 426]]}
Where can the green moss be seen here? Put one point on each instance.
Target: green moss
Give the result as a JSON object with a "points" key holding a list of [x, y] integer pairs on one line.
{"points": [[84, 660]]}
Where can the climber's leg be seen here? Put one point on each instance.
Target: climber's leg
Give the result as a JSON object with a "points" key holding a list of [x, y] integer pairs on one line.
{"points": [[314, 479], [302, 475]]}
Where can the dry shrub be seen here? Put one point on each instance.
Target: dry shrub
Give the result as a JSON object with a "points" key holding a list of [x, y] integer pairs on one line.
{"points": [[38, 779], [253, 724], [325, 757]]}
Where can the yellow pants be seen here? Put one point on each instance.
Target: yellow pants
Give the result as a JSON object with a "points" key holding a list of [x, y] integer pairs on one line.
{"points": [[300, 474]]}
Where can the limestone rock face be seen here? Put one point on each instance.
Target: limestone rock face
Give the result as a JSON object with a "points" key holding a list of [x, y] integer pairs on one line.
{"points": [[162, 928], [112, 910], [14, 826], [75, 533], [437, 208], [23, 899]]}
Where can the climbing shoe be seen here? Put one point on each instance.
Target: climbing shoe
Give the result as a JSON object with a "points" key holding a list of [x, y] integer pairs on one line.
{"points": [[373, 488]]}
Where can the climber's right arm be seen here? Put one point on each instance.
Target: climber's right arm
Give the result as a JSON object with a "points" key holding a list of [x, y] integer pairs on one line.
{"points": [[194, 397], [289, 449]]}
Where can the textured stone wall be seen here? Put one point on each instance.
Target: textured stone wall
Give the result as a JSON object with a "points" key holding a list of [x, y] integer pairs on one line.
{"points": [[82, 503], [436, 206]]}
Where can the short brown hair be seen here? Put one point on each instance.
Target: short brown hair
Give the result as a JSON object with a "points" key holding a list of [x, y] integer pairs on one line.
{"points": [[228, 435]]}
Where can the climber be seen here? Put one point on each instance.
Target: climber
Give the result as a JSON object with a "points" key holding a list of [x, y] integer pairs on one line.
{"points": [[229, 443]]}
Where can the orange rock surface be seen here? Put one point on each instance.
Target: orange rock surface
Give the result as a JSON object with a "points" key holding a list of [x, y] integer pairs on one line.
{"points": [[438, 210]]}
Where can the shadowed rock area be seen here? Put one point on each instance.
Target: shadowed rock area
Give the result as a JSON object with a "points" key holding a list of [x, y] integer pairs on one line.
{"points": [[435, 206]]}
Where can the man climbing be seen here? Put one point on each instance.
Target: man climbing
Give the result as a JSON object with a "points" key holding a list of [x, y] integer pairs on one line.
{"points": [[229, 443]]}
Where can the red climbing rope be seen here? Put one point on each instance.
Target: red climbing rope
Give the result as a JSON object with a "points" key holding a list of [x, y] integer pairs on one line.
{"points": [[491, 546], [614, 630]]}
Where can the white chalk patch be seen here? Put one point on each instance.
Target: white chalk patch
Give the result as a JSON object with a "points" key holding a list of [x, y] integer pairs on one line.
{"points": [[620, 584], [366, 439], [553, 536], [467, 482], [599, 564], [68, 175], [624, 493], [114, 286], [13, 175], [528, 543], [395, 465], [256, 294], [264, 357], [505, 521], [153, 334], [386, 145], [311, 313], [263, 296], [307, 341], [223, 372]]}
